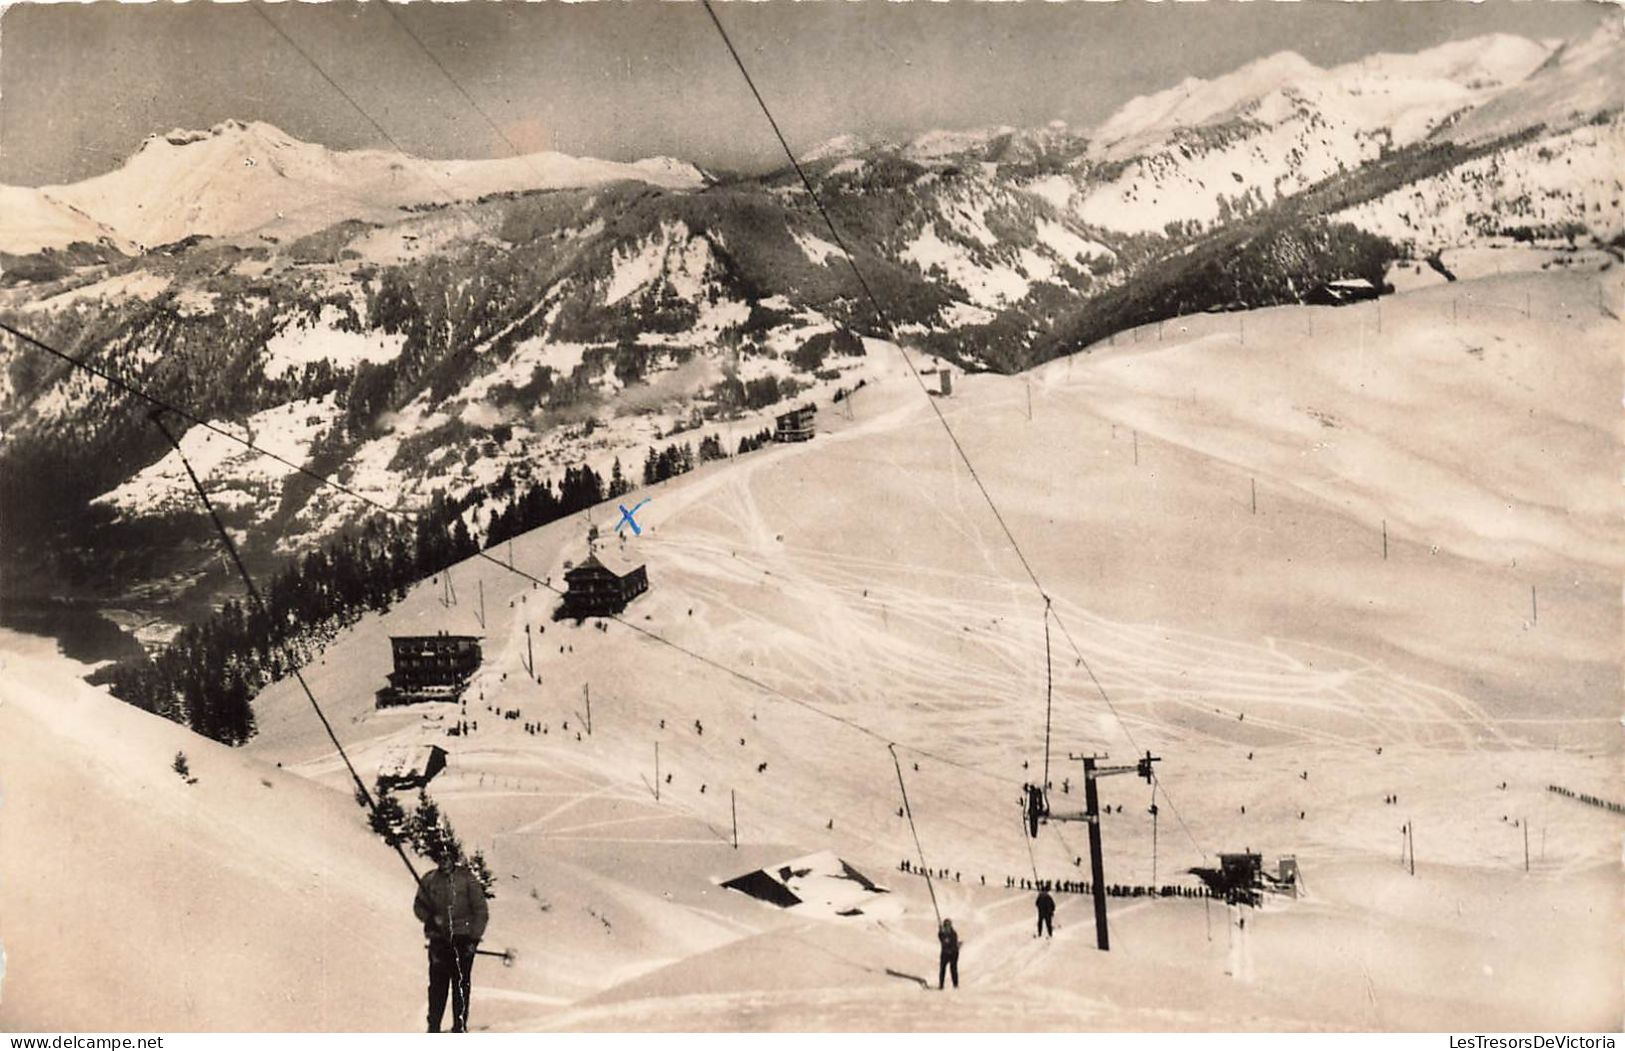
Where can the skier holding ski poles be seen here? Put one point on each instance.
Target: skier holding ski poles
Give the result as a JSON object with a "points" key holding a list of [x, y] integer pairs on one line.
{"points": [[450, 904]]}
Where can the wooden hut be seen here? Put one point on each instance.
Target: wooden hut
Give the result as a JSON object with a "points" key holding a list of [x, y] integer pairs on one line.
{"points": [[411, 767]]}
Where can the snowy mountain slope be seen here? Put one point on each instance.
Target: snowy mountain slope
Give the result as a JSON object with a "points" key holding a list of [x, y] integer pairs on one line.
{"points": [[237, 178], [35, 220], [1204, 150], [1562, 186], [237, 479], [1291, 674], [1282, 635], [473, 347], [251, 900], [1404, 92], [1193, 101], [1581, 80]]}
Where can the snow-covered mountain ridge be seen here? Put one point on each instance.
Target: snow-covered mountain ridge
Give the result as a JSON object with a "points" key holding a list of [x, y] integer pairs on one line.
{"points": [[462, 326], [242, 177]]}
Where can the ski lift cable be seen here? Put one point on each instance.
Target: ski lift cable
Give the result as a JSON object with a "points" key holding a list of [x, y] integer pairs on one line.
{"points": [[930, 884], [880, 312], [254, 593], [259, 9], [1049, 691], [400, 20], [166, 405], [891, 328], [1156, 782], [137, 390]]}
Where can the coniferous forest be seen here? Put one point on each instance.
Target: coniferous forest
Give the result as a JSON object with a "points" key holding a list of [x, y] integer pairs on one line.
{"points": [[207, 676]]}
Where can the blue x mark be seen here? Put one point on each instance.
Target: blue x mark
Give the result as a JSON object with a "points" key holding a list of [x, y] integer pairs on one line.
{"points": [[627, 519]]}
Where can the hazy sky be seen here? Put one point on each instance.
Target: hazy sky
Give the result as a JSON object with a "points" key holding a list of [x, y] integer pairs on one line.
{"points": [[82, 84]]}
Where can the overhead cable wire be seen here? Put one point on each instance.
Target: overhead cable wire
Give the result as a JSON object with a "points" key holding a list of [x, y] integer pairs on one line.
{"points": [[874, 302], [389, 9], [891, 328], [930, 884], [259, 9], [259, 602], [135, 389], [167, 405]]}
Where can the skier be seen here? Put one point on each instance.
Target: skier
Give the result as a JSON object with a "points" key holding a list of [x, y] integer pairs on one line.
{"points": [[450, 904], [948, 962], [1046, 913]]}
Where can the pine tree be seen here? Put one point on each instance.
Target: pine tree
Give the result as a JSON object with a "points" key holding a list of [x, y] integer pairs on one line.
{"points": [[423, 827], [482, 872], [388, 819]]}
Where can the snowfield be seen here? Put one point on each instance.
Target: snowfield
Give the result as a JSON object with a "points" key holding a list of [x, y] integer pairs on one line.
{"points": [[855, 591], [297, 345], [988, 284], [673, 257], [236, 478]]}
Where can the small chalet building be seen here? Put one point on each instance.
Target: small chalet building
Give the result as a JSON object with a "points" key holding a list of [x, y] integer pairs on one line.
{"points": [[602, 584], [795, 425], [1343, 290], [409, 767], [430, 668]]}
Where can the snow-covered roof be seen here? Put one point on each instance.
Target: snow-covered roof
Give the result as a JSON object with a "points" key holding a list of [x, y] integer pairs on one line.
{"points": [[820, 883], [611, 560], [407, 760]]}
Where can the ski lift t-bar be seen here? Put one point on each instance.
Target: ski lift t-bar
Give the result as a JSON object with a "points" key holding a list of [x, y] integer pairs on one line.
{"points": [[1091, 815]]}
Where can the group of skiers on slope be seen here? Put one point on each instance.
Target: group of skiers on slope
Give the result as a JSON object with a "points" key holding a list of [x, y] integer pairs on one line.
{"points": [[450, 904]]}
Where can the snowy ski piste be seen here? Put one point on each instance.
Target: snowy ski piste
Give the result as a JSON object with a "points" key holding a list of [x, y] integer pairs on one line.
{"points": [[1207, 506]]}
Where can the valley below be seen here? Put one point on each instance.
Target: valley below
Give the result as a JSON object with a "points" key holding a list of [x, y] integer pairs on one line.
{"points": [[1264, 435], [813, 604]]}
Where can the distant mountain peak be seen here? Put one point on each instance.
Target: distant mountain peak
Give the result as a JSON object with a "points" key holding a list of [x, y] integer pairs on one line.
{"points": [[230, 128], [239, 177], [844, 145]]}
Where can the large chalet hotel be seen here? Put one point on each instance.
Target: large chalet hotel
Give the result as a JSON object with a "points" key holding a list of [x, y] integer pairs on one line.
{"points": [[602, 584], [430, 668]]}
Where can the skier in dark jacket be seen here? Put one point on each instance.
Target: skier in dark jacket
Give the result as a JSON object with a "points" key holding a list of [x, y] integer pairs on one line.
{"points": [[1046, 913], [451, 906], [948, 962]]}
